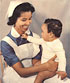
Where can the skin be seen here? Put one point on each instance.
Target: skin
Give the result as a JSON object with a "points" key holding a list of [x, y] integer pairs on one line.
{"points": [[23, 22], [21, 27]]}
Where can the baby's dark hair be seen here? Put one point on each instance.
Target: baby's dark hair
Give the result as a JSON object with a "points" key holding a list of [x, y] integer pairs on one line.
{"points": [[24, 7], [55, 26]]}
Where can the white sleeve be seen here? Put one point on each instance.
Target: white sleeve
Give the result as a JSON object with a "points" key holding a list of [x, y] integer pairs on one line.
{"points": [[35, 40], [62, 60]]}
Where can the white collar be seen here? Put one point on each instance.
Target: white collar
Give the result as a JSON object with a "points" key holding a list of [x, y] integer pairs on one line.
{"points": [[15, 34], [28, 32]]}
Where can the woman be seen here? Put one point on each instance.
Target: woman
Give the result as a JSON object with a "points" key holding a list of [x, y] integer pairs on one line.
{"points": [[20, 54]]}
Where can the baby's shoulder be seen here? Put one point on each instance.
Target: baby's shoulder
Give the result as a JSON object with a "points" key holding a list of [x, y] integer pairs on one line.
{"points": [[35, 35]]}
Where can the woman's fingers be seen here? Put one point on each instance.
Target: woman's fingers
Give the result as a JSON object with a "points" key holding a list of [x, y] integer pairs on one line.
{"points": [[53, 58]]}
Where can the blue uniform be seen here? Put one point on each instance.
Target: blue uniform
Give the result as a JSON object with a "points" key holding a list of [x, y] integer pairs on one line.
{"points": [[9, 53]]}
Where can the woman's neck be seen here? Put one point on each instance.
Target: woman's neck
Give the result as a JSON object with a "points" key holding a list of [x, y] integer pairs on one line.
{"points": [[19, 31]]}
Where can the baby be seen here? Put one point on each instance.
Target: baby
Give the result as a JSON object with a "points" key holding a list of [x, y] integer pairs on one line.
{"points": [[51, 45]]}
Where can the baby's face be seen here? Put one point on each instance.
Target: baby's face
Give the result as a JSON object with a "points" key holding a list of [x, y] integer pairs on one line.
{"points": [[45, 34]]}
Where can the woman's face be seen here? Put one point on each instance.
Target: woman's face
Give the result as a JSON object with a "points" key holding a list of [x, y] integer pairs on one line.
{"points": [[23, 22]]}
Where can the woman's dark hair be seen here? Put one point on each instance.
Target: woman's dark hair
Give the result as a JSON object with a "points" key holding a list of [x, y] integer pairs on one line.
{"points": [[24, 7], [55, 26]]}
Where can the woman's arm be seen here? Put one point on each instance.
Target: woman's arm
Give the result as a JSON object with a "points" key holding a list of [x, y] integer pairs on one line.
{"points": [[50, 66], [13, 61], [35, 61]]}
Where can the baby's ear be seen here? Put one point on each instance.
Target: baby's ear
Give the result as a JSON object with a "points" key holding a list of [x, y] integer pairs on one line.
{"points": [[51, 34]]}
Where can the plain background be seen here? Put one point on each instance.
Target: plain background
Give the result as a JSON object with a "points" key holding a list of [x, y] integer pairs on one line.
{"points": [[59, 9]]}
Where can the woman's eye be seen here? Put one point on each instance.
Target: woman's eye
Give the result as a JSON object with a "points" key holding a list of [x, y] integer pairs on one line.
{"points": [[30, 18], [23, 19]]}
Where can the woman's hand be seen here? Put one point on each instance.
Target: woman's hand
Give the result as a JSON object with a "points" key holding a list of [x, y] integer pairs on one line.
{"points": [[52, 65]]}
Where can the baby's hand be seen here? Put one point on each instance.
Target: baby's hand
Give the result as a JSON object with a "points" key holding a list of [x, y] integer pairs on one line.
{"points": [[24, 36], [61, 74]]}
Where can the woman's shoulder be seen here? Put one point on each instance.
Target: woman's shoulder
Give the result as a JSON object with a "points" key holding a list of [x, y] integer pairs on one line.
{"points": [[6, 37], [5, 41], [5, 44]]}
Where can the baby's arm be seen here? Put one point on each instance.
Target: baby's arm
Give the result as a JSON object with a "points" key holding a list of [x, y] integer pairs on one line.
{"points": [[24, 36], [61, 74], [62, 64], [33, 39]]}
